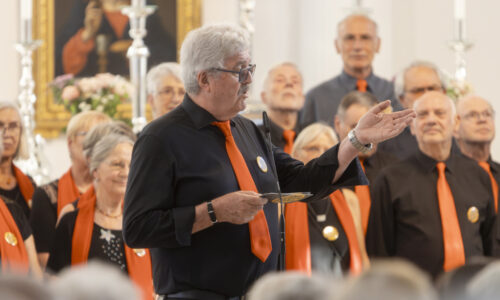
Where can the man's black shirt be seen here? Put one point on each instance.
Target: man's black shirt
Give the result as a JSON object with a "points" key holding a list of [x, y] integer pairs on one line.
{"points": [[180, 161], [405, 220]]}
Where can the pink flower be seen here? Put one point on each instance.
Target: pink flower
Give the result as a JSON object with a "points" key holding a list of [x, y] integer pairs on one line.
{"points": [[70, 93]]}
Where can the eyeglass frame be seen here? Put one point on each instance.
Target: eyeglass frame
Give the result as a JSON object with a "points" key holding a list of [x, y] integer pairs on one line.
{"points": [[10, 128], [421, 90], [488, 114], [251, 70]]}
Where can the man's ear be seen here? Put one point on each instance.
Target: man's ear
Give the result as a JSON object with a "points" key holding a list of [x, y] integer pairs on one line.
{"points": [[337, 46], [412, 128], [456, 127], [336, 124], [203, 80], [263, 97], [377, 45]]}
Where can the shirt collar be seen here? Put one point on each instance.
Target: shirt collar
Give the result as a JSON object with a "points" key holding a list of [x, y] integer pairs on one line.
{"points": [[429, 164], [276, 130], [199, 116], [350, 81]]}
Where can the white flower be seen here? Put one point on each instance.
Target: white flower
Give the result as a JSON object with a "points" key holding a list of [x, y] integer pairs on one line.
{"points": [[100, 108]]}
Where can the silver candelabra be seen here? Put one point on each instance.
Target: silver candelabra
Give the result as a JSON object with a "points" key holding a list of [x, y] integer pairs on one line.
{"points": [[36, 164], [460, 45], [138, 54]]}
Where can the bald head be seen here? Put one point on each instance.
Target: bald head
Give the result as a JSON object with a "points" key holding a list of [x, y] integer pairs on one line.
{"points": [[356, 19], [435, 119], [283, 88], [357, 42], [476, 120]]}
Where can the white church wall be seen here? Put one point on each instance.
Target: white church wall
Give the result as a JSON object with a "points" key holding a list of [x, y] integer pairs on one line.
{"points": [[302, 31]]}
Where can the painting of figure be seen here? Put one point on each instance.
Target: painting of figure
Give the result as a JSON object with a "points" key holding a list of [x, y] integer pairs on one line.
{"points": [[92, 36]]}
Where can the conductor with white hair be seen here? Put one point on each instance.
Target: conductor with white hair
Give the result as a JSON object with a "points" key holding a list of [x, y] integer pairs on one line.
{"points": [[194, 195]]}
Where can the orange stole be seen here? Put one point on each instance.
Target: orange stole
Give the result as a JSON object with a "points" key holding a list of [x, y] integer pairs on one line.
{"points": [[24, 183], [298, 245], [14, 257], [67, 191], [139, 268], [365, 202]]}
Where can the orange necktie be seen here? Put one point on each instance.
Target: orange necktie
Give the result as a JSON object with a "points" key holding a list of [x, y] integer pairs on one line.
{"points": [[345, 217], [259, 232], [361, 84], [494, 184], [363, 193], [454, 255], [289, 136]]}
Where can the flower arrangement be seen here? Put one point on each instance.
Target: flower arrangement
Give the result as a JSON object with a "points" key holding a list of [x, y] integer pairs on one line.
{"points": [[458, 89], [103, 92]]}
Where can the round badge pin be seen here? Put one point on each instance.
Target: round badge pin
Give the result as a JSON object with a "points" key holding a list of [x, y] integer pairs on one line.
{"points": [[262, 164], [473, 214], [10, 238], [330, 233], [140, 252]]}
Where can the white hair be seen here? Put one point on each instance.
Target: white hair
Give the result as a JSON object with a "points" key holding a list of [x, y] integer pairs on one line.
{"points": [[399, 81], [208, 47], [390, 280], [157, 73], [95, 280], [310, 133], [103, 148], [486, 284], [293, 285]]}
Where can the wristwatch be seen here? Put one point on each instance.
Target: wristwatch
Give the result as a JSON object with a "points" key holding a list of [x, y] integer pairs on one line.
{"points": [[356, 143], [211, 212]]}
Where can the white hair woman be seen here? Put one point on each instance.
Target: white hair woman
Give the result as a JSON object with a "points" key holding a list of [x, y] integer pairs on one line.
{"points": [[323, 233], [17, 246], [165, 88], [49, 199], [14, 184], [94, 229]]}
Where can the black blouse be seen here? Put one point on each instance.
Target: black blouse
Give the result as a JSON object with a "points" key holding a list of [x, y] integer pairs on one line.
{"points": [[106, 245]]}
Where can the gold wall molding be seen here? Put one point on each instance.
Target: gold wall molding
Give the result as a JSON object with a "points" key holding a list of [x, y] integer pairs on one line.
{"points": [[51, 117]]}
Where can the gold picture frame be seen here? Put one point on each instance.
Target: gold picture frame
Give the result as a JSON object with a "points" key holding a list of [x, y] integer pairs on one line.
{"points": [[51, 117]]}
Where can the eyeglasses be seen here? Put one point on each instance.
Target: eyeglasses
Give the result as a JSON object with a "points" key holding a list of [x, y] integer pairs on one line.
{"points": [[475, 115], [243, 74], [118, 165], [10, 127], [421, 90]]}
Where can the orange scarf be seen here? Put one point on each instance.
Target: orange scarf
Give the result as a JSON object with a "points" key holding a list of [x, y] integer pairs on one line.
{"points": [[13, 252], [298, 245], [25, 184], [139, 267], [67, 191]]}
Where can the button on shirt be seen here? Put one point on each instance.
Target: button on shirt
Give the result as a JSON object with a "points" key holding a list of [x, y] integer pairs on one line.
{"points": [[180, 161], [405, 219], [323, 100]]}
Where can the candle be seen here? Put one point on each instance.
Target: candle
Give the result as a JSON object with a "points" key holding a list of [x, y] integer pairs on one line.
{"points": [[26, 19], [459, 9]]}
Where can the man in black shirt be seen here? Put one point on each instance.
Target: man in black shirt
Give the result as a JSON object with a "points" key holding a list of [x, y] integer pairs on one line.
{"points": [[352, 107], [183, 200], [475, 132], [282, 94], [405, 218]]}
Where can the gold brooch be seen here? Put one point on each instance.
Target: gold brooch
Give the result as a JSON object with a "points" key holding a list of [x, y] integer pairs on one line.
{"points": [[140, 252], [10, 238], [473, 214], [330, 233]]}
